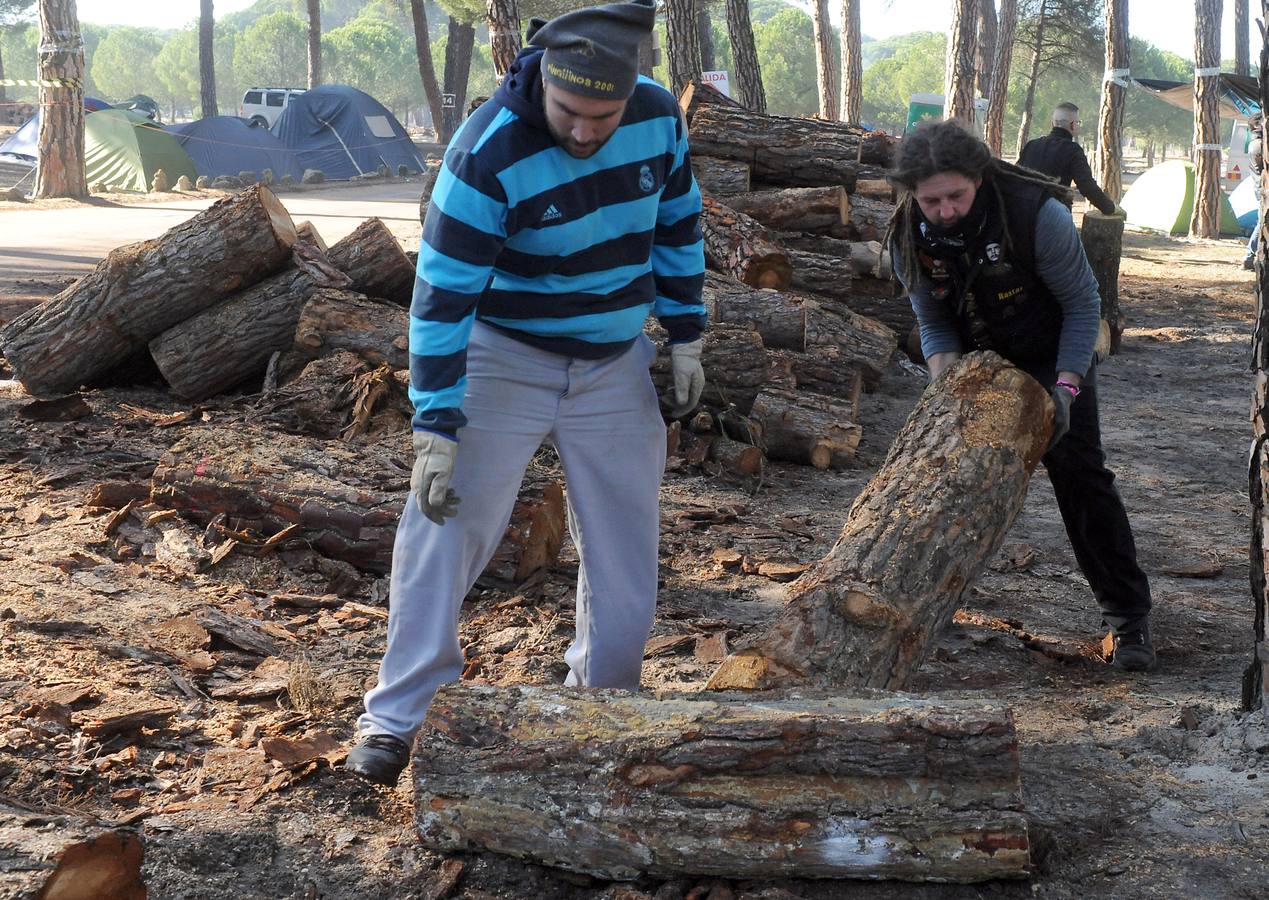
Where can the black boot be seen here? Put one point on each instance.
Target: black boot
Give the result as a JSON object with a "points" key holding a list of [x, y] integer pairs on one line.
{"points": [[1134, 651], [380, 758]]}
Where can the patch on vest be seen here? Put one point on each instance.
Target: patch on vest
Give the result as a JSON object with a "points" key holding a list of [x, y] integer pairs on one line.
{"points": [[993, 253]]}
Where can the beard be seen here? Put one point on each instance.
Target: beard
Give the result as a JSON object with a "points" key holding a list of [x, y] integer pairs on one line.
{"points": [[574, 149]]}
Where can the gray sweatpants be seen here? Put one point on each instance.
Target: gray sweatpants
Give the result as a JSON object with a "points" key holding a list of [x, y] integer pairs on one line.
{"points": [[603, 418]]}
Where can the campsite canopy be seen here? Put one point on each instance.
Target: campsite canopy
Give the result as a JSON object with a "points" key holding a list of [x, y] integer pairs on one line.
{"points": [[1162, 199], [1240, 94], [24, 143], [123, 149], [344, 132], [227, 145]]}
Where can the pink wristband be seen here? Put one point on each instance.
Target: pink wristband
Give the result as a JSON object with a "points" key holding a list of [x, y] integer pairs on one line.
{"points": [[1074, 389]]}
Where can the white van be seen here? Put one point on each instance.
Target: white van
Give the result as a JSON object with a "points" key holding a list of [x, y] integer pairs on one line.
{"points": [[263, 105]]}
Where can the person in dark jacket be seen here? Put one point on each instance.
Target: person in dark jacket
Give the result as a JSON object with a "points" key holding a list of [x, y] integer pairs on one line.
{"points": [[992, 261], [1058, 156]]}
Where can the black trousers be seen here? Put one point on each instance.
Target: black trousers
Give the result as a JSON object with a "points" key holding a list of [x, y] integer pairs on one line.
{"points": [[1092, 511]]}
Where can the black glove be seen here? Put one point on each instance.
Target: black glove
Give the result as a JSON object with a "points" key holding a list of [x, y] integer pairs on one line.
{"points": [[1062, 400]]}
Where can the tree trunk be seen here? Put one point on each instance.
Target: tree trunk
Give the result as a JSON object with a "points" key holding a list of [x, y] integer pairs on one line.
{"points": [[825, 277], [998, 92], [427, 73], [340, 320], [683, 44], [206, 60], [3, 96], [720, 177], [1242, 38], [795, 209], [504, 33], [1110, 119], [698, 785], [866, 614], [986, 48], [374, 260], [1103, 239], [851, 64], [141, 290], [705, 36], [314, 43], [1206, 219], [805, 428], [781, 150], [962, 50], [458, 50], [1024, 129], [60, 855], [807, 372], [744, 56], [740, 247], [735, 364], [61, 73], [825, 72]]}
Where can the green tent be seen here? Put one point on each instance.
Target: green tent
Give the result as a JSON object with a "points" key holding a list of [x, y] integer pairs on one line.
{"points": [[1162, 199], [123, 149]]}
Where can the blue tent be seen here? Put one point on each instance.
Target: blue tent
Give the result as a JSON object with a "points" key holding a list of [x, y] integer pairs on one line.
{"points": [[345, 133], [24, 143], [227, 145]]}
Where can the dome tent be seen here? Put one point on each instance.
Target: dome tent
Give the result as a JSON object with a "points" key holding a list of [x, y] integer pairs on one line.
{"points": [[24, 143], [1162, 199], [345, 133], [227, 145], [123, 149]]}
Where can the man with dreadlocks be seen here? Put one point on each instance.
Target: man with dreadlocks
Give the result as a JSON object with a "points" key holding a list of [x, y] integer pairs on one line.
{"points": [[992, 261]]}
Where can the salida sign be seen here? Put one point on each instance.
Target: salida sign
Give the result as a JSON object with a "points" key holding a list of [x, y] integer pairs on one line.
{"points": [[718, 80]]}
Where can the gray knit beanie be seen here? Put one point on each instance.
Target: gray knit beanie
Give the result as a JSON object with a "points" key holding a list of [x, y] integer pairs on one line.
{"points": [[594, 51]]}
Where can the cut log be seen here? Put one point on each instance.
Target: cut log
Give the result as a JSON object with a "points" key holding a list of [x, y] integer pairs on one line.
{"points": [[60, 856], [735, 364], [829, 278], [374, 260], [264, 482], [698, 94], [721, 177], [739, 246], [781, 150], [779, 316], [621, 785], [864, 259], [915, 539], [1103, 239], [795, 209], [807, 428], [736, 457], [876, 148], [340, 396], [846, 339], [140, 291], [806, 372], [875, 188], [869, 218], [374, 330]]}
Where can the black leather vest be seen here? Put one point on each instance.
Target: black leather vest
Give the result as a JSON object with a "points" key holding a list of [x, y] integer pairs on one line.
{"points": [[990, 283]]}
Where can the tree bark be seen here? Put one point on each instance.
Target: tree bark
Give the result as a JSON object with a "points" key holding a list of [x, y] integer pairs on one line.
{"points": [[1002, 62], [869, 218], [1024, 129], [141, 290], [60, 146], [1110, 118], [1205, 221], [721, 177], [60, 855], [503, 20], [705, 36], [1103, 239], [825, 376], [852, 64], [804, 428], [206, 60], [825, 71], [781, 150], [1242, 38], [866, 614], [780, 318], [697, 94], [458, 49], [427, 72], [683, 45], [735, 364], [736, 457], [736, 788], [826, 278], [372, 257], [795, 209], [740, 247], [744, 55], [314, 42], [335, 320], [962, 50], [986, 46]]}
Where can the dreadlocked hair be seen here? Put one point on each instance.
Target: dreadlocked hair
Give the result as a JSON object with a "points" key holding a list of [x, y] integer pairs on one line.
{"points": [[938, 147]]}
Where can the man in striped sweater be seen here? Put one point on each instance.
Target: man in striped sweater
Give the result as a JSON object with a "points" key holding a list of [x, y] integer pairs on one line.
{"points": [[564, 213]]}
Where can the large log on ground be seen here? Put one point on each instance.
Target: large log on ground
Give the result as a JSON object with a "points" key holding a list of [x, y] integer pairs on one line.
{"points": [[735, 364], [876, 148], [795, 209], [781, 150], [620, 785], [697, 94], [334, 320], [139, 291], [340, 396], [720, 177], [374, 260], [780, 317], [1103, 239], [345, 498], [58, 856], [915, 539], [741, 247], [807, 428]]}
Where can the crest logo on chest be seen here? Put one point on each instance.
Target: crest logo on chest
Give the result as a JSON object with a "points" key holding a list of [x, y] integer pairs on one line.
{"points": [[646, 181]]}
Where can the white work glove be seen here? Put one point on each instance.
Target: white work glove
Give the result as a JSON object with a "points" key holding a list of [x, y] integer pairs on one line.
{"points": [[433, 469], [689, 377]]}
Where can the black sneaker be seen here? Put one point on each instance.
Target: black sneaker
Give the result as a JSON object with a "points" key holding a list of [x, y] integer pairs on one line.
{"points": [[380, 758], [1134, 651]]}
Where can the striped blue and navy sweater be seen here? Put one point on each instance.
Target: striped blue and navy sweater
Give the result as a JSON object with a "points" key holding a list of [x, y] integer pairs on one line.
{"points": [[566, 254]]}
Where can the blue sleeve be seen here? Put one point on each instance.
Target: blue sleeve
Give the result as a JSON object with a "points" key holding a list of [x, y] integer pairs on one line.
{"points": [[463, 234], [678, 251], [1062, 266], [939, 331]]}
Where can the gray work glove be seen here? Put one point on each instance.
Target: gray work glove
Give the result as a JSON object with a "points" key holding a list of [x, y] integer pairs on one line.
{"points": [[1062, 400], [433, 468], [689, 377]]}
